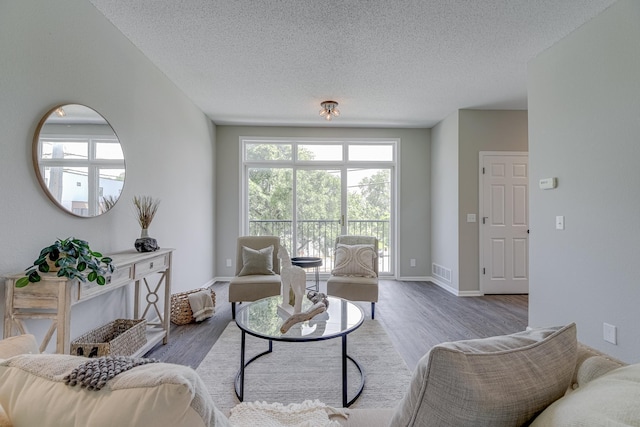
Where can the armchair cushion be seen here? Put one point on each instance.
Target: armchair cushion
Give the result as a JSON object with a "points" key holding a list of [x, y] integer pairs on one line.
{"points": [[257, 261], [499, 381], [354, 260]]}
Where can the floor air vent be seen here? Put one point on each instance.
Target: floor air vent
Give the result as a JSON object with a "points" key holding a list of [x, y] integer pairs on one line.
{"points": [[441, 272]]}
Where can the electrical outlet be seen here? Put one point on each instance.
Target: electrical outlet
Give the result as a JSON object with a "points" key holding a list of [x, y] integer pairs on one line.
{"points": [[609, 333], [412, 262], [228, 262]]}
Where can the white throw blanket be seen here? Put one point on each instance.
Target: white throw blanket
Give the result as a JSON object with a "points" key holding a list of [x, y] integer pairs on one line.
{"points": [[306, 414], [201, 305]]}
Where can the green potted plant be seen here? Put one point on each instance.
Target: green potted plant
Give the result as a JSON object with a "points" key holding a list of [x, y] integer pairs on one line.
{"points": [[71, 258]]}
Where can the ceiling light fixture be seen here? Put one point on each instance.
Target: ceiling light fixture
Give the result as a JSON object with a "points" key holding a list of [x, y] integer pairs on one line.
{"points": [[329, 109]]}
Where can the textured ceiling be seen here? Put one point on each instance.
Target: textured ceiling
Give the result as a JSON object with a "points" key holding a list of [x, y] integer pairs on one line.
{"points": [[388, 63]]}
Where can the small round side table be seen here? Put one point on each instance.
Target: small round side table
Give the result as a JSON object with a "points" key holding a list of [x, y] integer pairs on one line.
{"points": [[309, 262]]}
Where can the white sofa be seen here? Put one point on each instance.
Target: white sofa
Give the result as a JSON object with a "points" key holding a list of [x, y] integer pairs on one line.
{"points": [[543, 377]]}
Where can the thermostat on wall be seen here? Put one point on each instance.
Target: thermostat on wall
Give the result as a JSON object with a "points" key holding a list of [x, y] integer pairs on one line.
{"points": [[548, 183]]}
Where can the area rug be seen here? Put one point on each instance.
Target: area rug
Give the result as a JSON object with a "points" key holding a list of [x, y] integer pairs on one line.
{"points": [[295, 372]]}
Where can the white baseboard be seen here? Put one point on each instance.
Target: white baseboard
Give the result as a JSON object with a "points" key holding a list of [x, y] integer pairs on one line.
{"points": [[209, 283], [411, 278], [447, 287]]}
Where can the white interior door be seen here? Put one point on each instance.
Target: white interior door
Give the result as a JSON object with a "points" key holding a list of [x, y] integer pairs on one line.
{"points": [[504, 225]]}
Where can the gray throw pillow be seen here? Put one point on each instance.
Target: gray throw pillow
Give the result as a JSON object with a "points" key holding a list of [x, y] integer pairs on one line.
{"points": [[499, 381], [257, 261]]}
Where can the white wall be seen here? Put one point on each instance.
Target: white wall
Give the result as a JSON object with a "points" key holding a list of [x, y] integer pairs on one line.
{"points": [[67, 52], [456, 144], [584, 129], [444, 199], [481, 130], [414, 209]]}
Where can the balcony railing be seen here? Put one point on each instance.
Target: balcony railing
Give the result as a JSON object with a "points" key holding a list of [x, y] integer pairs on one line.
{"points": [[317, 238]]}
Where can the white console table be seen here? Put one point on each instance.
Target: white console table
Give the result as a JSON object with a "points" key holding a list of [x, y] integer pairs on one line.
{"points": [[52, 298]]}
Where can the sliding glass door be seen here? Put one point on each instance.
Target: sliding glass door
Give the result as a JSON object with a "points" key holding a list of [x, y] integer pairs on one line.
{"points": [[369, 208]]}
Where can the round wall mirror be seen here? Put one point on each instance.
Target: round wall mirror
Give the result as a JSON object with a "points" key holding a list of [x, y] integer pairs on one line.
{"points": [[78, 160]]}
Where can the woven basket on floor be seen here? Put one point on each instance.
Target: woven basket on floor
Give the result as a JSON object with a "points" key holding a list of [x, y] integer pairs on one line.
{"points": [[181, 313], [122, 337]]}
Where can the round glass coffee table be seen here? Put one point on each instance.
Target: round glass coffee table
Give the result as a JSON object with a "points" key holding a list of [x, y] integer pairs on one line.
{"points": [[263, 319]]}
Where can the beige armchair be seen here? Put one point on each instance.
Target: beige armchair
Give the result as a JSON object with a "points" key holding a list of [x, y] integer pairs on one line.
{"points": [[257, 270], [355, 271]]}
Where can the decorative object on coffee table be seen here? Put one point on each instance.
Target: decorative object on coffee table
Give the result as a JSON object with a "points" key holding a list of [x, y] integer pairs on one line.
{"points": [[308, 314], [293, 284], [71, 258], [146, 208], [316, 297]]}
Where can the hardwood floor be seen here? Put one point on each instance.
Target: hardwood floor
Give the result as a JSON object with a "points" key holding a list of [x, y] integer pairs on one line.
{"points": [[416, 315]]}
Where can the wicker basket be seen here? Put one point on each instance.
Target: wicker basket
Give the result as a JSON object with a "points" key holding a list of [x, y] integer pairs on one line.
{"points": [[122, 337], [181, 313]]}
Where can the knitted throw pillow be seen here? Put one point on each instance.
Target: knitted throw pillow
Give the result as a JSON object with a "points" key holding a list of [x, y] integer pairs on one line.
{"points": [[354, 260]]}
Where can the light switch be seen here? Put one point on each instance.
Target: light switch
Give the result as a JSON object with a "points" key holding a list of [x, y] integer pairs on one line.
{"points": [[471, 217], [560, 222], [610, 333]]}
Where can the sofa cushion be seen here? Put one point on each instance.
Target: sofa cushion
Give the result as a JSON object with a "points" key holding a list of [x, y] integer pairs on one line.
{"points": [[21, 344], [364, 417], [33, 393], [257, 261], [4, 419], [498, 381], [354, 260], [613, 399]]}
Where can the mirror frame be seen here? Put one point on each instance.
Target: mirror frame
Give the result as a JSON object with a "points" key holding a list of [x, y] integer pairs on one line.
{"points": [[35, 154]]}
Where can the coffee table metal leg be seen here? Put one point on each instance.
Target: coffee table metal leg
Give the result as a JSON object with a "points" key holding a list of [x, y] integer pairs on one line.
{"points": [[344, 371], [345, 402], [242, 346], [238, 383]]}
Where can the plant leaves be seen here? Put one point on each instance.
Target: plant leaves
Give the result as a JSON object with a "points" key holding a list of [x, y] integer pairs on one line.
{"points": [[22, 282], [101, 280], [82, 266], [54, 254], [92, 276], [33, 277]]}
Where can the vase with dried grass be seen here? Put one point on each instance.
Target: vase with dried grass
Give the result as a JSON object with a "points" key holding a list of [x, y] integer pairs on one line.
{"points": [[146, 208]]}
